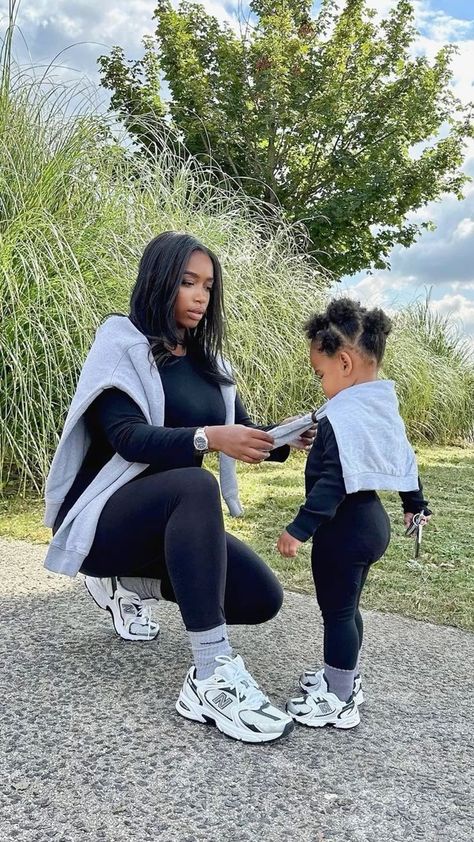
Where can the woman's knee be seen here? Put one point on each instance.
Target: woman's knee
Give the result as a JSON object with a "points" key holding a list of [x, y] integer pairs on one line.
{"points": [[253, 593], [197, 481], [274, 601], [196, 488]]}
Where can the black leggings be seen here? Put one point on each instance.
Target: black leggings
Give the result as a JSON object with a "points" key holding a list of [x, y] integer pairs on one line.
{"points": [[343, 550], [169, 526]]}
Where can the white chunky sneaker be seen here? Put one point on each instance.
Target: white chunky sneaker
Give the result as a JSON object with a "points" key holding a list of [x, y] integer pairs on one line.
{"points": [[323, 708], [310, 681], [130, 614], [232, 700]]}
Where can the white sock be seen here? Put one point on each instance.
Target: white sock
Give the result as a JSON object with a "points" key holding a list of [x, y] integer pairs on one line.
{"points": [[206, 646]]}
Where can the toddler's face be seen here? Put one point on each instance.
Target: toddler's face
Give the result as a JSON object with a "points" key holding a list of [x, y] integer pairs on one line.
{"points": [[332, 371]]}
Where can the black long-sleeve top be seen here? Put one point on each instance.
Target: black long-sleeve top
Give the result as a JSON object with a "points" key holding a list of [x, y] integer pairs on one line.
{"points": [[116, 424], [325, 488]]}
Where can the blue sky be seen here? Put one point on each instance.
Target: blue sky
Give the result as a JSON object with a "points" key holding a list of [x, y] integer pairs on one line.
{"points": [[442, 260], [456, 8]]}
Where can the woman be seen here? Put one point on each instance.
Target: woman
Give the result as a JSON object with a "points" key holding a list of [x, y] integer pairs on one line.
{"points": [[129, 503]]}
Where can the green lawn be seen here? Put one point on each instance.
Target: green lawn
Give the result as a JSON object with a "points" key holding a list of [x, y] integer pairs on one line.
{"points": [[439, 587]]}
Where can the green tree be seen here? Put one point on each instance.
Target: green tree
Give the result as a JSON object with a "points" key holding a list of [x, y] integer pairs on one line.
{"points": [[320, 115]]}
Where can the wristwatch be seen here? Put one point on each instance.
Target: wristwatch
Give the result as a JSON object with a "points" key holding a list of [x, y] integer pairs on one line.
{"points": [[201, 442]]}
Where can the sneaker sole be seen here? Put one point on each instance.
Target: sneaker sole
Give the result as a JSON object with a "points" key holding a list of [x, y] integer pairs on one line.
{"points": [[95, 594], [190, 711], [133, 638], [345, 725]]}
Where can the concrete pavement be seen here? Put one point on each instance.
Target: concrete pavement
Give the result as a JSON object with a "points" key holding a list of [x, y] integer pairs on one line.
{"points": [[92, 749]]}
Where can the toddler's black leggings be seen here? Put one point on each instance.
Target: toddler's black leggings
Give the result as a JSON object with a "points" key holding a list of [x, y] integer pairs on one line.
{"points": [[343, 550], [169, 526]]}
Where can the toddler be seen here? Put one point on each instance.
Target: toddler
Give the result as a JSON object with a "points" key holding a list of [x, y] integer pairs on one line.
{"points": [[360, 448]]}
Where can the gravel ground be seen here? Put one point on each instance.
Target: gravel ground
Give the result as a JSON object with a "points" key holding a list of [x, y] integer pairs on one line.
{"points": [[92, 749]]}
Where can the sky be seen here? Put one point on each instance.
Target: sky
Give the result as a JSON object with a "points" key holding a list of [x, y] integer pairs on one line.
{"points": [[75, 32]]}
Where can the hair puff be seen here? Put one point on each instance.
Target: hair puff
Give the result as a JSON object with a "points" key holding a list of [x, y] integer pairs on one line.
{"points": [[328, 341], [346, 315], [315, 325], [376, 321]]}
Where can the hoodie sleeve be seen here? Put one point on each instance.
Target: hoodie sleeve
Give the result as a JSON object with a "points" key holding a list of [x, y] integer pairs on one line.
{"points": [[414, 501], [328, 490], [127, 431]]}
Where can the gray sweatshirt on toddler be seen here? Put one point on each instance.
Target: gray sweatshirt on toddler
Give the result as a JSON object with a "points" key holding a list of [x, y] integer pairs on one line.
{"points": [[373, 447]]}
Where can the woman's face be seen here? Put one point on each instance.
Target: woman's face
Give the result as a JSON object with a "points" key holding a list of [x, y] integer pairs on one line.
{"points": [[195, 291]]}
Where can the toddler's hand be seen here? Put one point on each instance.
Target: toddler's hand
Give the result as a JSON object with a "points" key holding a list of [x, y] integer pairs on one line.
{"points": [[408, 517], [288, 546], [306, 439]]}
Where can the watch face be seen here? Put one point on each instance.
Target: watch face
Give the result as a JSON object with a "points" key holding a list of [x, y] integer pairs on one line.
{"points": [[200, 443]]}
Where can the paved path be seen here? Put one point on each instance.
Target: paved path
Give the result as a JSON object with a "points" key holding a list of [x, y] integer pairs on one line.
{"points": [[91, 748]]}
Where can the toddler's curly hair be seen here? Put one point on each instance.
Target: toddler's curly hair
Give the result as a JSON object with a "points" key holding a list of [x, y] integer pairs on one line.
{"points": [[346, 323]]}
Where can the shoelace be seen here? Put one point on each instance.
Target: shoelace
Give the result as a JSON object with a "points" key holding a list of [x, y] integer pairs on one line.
{"points": [[142, 613], [145, 613], [254, 697]]}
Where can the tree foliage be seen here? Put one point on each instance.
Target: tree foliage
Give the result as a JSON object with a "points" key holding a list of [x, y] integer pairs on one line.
{"points": [[330, 116]]}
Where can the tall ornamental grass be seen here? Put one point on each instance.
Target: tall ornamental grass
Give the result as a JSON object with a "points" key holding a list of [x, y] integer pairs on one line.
{"points": [[433, 367], [77, 208]]}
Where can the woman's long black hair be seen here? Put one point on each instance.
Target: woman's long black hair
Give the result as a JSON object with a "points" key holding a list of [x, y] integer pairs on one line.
{"points": [[153, 299]]}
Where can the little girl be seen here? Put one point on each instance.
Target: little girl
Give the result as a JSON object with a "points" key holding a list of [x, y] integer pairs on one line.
{"points": [[360, 447]]}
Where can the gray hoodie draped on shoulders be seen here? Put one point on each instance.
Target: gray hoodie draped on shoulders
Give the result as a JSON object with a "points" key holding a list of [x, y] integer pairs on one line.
{"points": [[119, 358]]}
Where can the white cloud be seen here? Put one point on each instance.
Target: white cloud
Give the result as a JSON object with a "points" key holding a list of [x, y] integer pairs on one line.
{"points": [[460, 285], [457, 305], [105, 22], [220, 11], [438, 24], [446, 254], [380, 290], [88, 30], [81, 31], [383, 290], [464, 228], [459, 308]]}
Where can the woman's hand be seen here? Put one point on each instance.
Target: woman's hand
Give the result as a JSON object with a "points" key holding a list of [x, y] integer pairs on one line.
{"points": [[288, 546], [306, 439], [243, 443]]}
